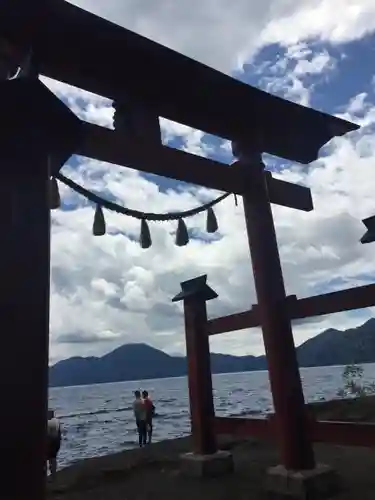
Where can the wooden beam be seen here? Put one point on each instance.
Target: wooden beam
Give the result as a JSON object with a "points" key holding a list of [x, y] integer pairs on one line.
{"points": [[343, 300], [344, 433], [329, 303], [282, 192], [341, 433], [114, 62], [20, 20], [233, 322], [112, 147]]}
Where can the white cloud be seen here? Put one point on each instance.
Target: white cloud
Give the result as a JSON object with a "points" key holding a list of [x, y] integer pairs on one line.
{"points": [[319, 63], [107, 291], [357, 104], [111, 290], [89, 107], [224, 35], [334, 21], [287, 77]]}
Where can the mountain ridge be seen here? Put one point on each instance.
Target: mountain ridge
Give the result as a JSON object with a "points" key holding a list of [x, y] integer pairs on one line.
{"points": [[137, 361]]}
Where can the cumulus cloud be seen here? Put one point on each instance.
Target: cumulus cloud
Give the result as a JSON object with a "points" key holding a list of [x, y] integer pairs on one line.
{"points": [[225, 35], [296, 72], [337, 21], [107, 291]]}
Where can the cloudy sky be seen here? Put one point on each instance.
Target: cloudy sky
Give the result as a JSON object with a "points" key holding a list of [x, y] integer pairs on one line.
{"points": [[106, 291]]}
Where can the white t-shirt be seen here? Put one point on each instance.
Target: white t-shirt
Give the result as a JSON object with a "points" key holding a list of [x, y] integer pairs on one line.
{"points": [[53, 427], [139, 409]]}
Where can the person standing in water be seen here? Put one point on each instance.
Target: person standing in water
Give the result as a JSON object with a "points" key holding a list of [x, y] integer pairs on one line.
{"points": [[53, 442], [139, 410], [150, 412]]}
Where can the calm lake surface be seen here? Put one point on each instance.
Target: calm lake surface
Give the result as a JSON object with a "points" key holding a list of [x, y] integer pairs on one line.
{"points": [[98, 419]]}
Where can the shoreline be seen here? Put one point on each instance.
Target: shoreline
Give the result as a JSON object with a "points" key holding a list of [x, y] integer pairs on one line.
{"points": [[184, 376], [91, 472], [154, 471]]}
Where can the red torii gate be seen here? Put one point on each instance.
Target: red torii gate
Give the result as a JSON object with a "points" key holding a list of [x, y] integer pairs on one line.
{"points": [[290, 425], [97, 56], [344, 433]]}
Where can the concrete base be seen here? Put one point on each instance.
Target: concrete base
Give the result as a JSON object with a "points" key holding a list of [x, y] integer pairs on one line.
{"points": [[319, 483], [194, 465]]}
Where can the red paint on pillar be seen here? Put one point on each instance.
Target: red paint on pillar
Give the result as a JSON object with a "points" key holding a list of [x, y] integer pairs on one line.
{"points": [[286, 386], [200, 379]]}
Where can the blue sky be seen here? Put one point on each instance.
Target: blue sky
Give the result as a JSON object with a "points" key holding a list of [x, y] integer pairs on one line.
{"points": [[107, 291]]}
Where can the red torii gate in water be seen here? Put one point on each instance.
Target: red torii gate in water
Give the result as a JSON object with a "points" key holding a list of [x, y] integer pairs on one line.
{"points": [[105, 59]]}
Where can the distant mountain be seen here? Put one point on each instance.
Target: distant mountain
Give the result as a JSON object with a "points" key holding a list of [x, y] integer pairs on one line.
{"points": [[141, 362], [335, 347]]}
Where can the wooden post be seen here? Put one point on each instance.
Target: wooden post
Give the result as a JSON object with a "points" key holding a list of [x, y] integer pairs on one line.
{"points": [[40, 134], [286, 386], [24, 326], [195, 293]]}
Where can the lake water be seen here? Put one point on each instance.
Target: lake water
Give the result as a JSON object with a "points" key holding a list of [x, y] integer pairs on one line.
{"points": [[98, 419]]}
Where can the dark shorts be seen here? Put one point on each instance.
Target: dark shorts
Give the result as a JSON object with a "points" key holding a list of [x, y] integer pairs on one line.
{"points": [[53, 448]]}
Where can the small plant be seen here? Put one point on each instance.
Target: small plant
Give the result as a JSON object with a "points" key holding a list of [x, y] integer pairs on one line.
{"points": [[354, 386]]}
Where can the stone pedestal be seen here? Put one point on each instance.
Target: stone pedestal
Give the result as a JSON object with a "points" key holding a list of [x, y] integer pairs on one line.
{"points": [[200, 466], [316, 484]]}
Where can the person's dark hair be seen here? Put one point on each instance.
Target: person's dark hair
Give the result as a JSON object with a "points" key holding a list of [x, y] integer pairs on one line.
{"points": [[145, 394], [137, 394]]}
